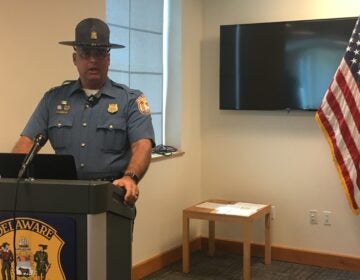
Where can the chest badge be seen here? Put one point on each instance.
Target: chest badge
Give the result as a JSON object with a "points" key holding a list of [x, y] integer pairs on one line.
{"points": [[112, 108], [63, 107]]}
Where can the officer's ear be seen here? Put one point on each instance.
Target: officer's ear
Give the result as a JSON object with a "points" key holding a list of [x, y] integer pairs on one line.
{"points": [[74, 57]]}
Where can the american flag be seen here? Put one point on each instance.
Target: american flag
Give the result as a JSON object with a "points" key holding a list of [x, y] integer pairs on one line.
{"points": [[339, 118]]}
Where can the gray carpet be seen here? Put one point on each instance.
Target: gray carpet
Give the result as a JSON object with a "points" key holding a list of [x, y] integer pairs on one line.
{"points": [[228, 266]]}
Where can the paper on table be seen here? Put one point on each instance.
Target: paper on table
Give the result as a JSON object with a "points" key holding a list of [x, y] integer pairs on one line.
{"points": [[233, 210], [210, 205], [246, 205], [238, 209]]}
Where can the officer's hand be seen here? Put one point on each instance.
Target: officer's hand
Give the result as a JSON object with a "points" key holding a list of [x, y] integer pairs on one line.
{"points": [[131, 188]]}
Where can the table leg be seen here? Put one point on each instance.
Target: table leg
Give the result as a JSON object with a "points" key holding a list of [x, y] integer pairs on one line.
{"points": [[246, 251], [185, 245], [268, 238], [211, 238]]}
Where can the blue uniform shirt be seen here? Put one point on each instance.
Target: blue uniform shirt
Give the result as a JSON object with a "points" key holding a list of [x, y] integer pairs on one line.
{"points": [[98, 137]]}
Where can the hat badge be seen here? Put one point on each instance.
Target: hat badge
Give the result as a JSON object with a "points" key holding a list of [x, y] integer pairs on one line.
{"points": [[93, 35]]}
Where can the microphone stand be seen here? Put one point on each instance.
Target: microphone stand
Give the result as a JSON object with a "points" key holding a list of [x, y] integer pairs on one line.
{"points": [[38, 143]]}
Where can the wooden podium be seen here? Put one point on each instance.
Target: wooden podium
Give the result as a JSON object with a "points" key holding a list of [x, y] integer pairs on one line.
{"points": [[102, 224]]}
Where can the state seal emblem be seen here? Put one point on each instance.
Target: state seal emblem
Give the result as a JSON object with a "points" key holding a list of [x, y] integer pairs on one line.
{"points": [[37, 249]]}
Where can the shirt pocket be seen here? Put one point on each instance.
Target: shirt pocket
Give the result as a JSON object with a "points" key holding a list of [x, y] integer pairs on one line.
{"points": [[60, 133], [111, 135]]}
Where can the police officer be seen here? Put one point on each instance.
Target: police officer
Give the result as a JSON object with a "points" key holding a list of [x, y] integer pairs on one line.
{"points": [[106, 126]]}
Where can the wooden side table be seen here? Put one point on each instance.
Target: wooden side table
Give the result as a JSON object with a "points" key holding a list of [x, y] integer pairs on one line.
{"points": [[232, 211]]}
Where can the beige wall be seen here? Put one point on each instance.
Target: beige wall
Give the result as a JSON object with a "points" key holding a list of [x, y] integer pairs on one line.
{"points": [[273, 157], [171, 185], [33, 61]]}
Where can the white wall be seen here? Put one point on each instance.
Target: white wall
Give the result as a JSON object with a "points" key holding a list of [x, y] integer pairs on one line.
{"points": [[272, 157]]}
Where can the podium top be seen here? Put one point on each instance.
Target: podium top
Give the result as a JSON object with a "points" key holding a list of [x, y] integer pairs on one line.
{"points": [[63, 196]]}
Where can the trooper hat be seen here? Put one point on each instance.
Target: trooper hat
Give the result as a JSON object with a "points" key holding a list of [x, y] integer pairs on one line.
{"points": [[92, 32]]}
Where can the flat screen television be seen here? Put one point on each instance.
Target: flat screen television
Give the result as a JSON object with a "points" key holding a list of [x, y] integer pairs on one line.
{"points": [[280, 65]]}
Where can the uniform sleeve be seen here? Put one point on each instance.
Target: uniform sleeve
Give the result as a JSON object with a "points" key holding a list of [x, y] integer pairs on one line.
{"points": [[139, 119], [38, 122]]}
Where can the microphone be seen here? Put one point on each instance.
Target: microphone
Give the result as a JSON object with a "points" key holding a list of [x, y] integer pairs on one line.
{"points": [[39, 141]]}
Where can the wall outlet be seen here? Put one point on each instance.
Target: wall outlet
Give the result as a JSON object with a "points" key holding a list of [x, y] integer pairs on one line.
{"points": [[327, 218], [313, 217], [273, 212]]}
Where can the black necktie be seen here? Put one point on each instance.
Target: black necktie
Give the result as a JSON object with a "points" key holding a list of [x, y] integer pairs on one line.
{"points": [[92, 100]]}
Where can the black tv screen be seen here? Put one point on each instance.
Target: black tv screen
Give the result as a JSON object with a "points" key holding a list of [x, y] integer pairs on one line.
{"points": [[280, 65]]}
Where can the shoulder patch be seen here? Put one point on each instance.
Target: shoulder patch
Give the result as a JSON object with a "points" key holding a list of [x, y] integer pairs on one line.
{"points": [[143, 105]]}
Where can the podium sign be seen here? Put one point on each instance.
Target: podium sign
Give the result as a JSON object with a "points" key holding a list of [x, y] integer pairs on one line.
{"points": [[65, 230], [40, 245]]}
